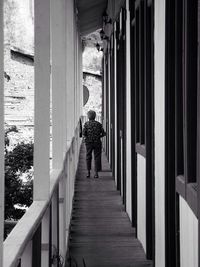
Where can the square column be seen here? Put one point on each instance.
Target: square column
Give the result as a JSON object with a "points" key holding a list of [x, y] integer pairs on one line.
{"points": [[70, 65], [42, 100], [1, 132], [58, 52]]}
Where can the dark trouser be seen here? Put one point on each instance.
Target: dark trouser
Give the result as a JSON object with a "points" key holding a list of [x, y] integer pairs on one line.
{"points": [[97, 147]]}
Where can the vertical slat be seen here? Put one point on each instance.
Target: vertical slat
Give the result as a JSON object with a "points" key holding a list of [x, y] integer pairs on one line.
{"points": [[36, 248], [50, 234], [133, 117], [55, 247], [115, 100], [1, 133], [62, 215], [170, 189], [149, 110], [45, 239], [58, 52], [128, 113], [198, 133], [42, 100]]}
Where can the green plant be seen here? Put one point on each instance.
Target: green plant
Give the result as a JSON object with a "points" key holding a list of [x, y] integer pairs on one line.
{"points": [[18, 191]]}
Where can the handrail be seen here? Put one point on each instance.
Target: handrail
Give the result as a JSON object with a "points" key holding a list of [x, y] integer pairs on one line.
{"points": [[17, 241]]}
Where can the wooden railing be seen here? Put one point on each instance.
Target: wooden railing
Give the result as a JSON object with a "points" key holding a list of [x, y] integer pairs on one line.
{"points": [[40, 237]]}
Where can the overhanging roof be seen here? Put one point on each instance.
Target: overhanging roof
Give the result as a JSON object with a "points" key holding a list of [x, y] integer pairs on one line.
{"points": [[90, 14]]}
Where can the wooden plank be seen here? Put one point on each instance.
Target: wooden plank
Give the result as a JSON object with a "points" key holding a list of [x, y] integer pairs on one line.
{"points": [[101, 232]]}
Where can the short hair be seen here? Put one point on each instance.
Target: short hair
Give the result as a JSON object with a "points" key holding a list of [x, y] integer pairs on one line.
{"points": [[91, 115]]}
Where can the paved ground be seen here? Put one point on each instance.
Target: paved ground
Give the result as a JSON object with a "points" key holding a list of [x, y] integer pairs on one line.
{"points": [[101, 234]]}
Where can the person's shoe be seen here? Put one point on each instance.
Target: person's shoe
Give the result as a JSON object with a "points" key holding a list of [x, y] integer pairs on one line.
{"points": [[96, 175], [88, 175]]}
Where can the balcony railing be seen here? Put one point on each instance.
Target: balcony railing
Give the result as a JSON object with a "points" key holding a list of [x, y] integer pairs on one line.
{"points": [[40, 237]]}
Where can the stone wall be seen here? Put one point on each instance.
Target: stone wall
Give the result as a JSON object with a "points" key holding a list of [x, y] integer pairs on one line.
{"points": [[19, 73]]}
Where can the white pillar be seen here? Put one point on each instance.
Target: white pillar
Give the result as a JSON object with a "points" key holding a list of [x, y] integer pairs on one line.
{"points": [[128, 116], [70, 68], [58, 52], [42, 100], [1, 133], [159, 129]]}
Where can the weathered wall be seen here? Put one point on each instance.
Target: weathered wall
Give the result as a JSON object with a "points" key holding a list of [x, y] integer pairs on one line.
{"points": [[94, 85], [19, 84], [92, 79]]}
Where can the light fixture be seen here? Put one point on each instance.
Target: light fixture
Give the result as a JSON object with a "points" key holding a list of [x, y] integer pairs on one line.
{"points": [[106, 18]]}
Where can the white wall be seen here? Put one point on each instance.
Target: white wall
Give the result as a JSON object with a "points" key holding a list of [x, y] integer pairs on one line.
{"points": [[128, 118], [141, 200], [188, 236], [159, 50]]}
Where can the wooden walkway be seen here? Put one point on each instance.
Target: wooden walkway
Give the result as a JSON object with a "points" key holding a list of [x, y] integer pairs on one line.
{"points": [[101, 234]]}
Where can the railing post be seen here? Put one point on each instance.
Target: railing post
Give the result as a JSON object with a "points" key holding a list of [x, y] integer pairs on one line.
{"points": [[58, 41], [68, 193], [36, 248], [1, 133], [46, 239], [55, 224], [62, 216]]}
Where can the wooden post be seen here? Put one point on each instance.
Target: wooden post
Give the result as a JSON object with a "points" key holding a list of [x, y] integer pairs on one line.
{"points": [[115, 100], [128, 112], [1, 133], [58, 39], [55, 224], [42, 100], [36, 248], [62, 216], [70, 78]]}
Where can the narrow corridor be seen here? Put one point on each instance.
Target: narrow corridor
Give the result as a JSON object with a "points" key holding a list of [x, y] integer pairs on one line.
{"points": [[101, 234]]}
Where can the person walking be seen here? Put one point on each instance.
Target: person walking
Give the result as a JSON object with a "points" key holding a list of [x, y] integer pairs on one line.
{"points": [[92, 133]]}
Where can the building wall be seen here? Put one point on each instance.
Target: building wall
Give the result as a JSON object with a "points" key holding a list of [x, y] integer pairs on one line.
{"points": [[188, 236], [159, 80]]}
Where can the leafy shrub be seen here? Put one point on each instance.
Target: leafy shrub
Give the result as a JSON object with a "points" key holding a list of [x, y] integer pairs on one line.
{"points": [[18, 193]]}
